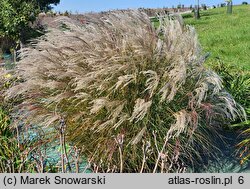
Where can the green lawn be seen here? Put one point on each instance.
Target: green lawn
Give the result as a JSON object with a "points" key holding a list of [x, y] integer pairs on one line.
{"points": [[226, 37]]}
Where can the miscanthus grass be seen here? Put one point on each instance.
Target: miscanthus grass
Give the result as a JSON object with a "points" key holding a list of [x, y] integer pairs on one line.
{"points": [[132, 97]]}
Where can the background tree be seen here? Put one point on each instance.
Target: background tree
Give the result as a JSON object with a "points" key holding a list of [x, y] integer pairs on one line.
{"points": [[45, 5], [15, 16], [204, 6], [15, 19]]}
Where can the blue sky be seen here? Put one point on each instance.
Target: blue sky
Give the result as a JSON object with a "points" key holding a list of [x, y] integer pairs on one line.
{"points": [[102, 5]]}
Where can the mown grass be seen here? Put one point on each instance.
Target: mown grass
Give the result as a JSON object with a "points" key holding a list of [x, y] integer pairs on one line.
{"points": [[226, 37]]}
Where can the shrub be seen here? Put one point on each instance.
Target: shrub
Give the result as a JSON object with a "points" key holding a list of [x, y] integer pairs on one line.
{"points": [[244, 3], [134, 98], [222, 4], [66, 13]]}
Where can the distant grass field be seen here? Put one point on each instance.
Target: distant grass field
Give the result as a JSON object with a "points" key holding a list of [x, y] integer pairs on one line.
{"points": [[226, 37]]}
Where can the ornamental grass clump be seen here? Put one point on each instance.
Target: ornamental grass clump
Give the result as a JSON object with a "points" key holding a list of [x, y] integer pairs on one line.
{"points": [[132, 97]]}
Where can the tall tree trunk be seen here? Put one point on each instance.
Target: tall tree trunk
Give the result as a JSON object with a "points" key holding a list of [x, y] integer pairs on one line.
{"points": [[197, 10], [229, 7]]}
